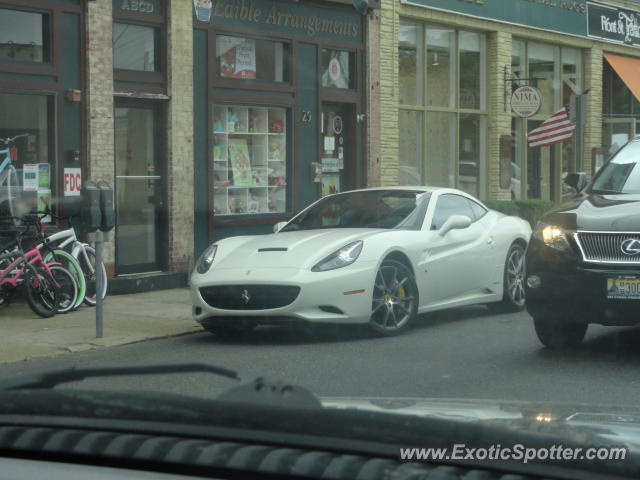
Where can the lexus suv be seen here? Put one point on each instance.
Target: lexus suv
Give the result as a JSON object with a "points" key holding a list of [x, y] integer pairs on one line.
{"points": [[583, 261]]}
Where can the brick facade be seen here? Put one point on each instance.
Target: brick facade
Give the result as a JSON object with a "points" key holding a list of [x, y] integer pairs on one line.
{"points": [[179, 121], [180, 136], [100, 139]]}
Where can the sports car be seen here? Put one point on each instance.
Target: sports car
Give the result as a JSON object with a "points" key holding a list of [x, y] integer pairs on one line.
{"points": [[377, 256]]}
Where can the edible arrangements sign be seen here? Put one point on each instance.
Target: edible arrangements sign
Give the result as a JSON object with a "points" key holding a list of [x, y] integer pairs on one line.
{"points": [[614, 24], [339, 24]]}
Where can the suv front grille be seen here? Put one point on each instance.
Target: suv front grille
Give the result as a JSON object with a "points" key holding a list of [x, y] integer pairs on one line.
{"points": [[606, 247], [249, 297]]}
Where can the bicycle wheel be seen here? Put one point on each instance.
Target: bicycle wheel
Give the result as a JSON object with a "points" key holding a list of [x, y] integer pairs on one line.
{"points": [[42, 295], [72, 265], [67, 288], [88, 265]]}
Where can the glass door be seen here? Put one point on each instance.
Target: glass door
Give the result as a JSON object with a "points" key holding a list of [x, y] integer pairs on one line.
{"points": [[140, 197], [337, 147]]}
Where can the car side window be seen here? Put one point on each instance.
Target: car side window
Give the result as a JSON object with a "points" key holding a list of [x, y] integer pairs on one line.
{"points": [[478, 210], [450, 204]]}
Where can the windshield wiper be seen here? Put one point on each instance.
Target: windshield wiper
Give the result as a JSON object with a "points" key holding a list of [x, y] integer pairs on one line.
{"points": [[252, 388]]}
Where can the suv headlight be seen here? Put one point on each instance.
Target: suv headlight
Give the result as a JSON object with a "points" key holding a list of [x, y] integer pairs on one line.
{"points": [[552, 235], [206, 259], [340, 258]]}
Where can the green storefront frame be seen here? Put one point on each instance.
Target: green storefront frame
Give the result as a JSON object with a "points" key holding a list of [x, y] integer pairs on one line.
{"points": [[306, 29]]}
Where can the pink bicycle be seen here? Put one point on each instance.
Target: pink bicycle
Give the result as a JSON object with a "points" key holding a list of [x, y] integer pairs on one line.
{"points": [[39, 278]]}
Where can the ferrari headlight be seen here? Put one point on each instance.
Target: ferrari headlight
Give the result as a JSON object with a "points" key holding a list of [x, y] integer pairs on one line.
{"points": [[340, 258], [552, 235], [206, 259]]}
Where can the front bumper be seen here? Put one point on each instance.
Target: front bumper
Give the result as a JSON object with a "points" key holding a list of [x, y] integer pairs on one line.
{"points": [[338, 296], [576, 290]]}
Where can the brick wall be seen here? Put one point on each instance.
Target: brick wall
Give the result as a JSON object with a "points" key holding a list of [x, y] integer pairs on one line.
{"points": [[592, 59], [180, 135], [100, 140], [372, 87], [389, 27], [499, 120]]}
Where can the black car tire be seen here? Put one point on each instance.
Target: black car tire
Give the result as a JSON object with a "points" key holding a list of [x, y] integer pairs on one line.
{"points": [[229, 328], [395, 283], [556, 333], [511, 302]]}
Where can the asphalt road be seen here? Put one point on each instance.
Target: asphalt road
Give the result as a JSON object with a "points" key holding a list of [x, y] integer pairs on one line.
{"points": [[466, 353]]}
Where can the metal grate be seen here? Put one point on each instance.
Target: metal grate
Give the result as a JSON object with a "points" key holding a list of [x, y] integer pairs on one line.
{"points": [[606, 247], [249, 297]]}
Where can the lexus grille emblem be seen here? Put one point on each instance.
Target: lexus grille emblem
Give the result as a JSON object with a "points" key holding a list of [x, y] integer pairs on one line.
{"points": [[245, 297], [630, 246]]}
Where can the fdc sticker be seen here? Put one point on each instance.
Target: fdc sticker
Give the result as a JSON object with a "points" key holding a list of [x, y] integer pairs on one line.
{"points": [[72, 182]]}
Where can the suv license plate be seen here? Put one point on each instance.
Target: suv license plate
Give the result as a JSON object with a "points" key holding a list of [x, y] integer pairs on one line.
{"points": [[623, 288]]}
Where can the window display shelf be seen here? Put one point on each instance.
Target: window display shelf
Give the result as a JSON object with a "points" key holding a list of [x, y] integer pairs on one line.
{"points": [[249, 160]]}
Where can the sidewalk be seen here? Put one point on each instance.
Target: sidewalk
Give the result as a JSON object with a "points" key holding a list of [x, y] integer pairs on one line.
{"points": [[127, 319]]}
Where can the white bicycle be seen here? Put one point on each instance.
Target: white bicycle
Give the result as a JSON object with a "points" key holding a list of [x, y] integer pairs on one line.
{"points": [[85, 256]]}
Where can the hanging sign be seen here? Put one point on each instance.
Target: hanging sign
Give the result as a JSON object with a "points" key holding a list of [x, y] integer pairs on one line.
{"points": [[526, 101]]}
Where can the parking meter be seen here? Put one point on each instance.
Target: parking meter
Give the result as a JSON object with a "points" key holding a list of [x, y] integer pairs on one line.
{"points": [[91, 215], [108, 219]]}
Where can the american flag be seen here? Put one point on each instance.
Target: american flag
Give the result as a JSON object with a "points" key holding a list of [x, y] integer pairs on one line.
{"points": [[555, 129]]}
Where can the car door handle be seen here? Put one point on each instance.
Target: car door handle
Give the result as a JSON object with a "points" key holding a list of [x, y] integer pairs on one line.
{"points": [[490, 241]]}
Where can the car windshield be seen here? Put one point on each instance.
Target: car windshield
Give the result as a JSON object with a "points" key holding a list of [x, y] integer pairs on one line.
{"points": [[622, 173], [373, 209], [386, 202]]}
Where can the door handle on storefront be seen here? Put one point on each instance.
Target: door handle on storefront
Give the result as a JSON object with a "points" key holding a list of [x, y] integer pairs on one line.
{"points": [[138, 177]]}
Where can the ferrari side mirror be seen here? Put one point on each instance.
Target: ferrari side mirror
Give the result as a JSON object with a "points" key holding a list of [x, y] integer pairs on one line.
{"points": [[278, 226], [454, 222]]}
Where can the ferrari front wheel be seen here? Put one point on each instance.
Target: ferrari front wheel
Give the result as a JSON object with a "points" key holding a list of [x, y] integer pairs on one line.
{"points": [[395, 299]]}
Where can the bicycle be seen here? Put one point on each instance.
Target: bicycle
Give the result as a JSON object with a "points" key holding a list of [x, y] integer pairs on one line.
{"points": [[9, 179], [70, 280], [41, 287], [83, 253]]}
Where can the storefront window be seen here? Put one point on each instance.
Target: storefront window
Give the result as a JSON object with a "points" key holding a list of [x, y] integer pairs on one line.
{"points": [[24, 36], [411, 67], [338, 68], [471, 148], [441, 146], [30, 118], [443, 137], [135, 47], [441, 67], [518, 60], [472, 64], [249, 160], [543, 68], [410, 158], [252, 59], [558, 74]]}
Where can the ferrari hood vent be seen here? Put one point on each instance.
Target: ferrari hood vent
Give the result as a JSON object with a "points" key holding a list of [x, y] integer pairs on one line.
{"points": [[273, 249]]}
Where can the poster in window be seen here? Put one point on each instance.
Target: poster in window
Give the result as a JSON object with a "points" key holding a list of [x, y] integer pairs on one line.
{"points": [[330, 184], [237, 57], [44, 177], [240, 162]]}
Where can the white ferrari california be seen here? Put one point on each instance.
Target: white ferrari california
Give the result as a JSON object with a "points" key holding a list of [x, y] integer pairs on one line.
{"points": [[378, 256]]}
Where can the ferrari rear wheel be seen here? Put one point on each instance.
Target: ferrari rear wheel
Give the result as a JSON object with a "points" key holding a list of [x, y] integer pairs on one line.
{"points": [[395, 299], [513, 299]]}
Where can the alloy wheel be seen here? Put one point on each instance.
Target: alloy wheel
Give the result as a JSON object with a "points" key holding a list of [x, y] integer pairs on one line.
{"points": [[394, 298], [515, 276]]}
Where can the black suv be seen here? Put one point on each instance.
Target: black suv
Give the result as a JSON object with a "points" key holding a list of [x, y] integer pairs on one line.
{"points": [[583, 261]]}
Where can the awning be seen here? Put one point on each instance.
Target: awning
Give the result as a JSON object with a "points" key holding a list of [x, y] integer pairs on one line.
{"points": [[628, 69]]}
